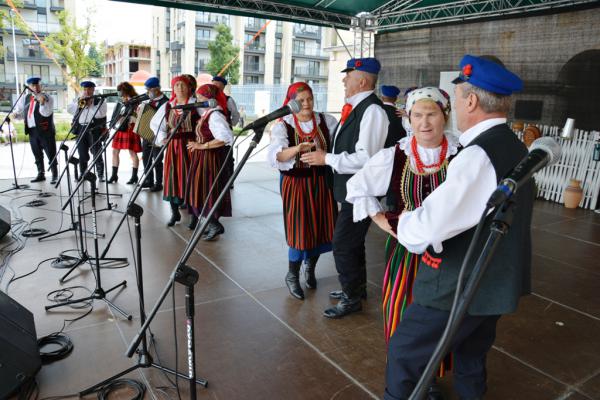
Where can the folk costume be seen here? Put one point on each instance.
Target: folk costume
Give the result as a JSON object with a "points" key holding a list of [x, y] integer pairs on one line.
{"points": [[93, 115], [441, 230], [309, 209], [176, 155], [39, 125], [151, 149], [362, 132], [206, 162], [406, 173]]}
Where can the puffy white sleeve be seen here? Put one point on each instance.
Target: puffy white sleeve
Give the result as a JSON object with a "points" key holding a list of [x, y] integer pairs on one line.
{"points": [[47, 108], [19, 108], [279, 141], [159, 125], [219, 127], [73, 106], [370, 182]]}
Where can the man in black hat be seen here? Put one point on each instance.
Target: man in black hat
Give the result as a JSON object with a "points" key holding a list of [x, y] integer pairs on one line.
{"points": [[389, 96], [362, 132], [442, 228], [36, 109], [92, 113]]}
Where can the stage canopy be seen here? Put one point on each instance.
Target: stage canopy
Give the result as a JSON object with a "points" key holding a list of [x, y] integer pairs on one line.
{"points": [[382, 15]]}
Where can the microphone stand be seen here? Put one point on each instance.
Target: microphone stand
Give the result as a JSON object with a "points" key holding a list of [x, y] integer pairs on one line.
{"points": [[79, 138], [188, 276], [74, 224], [138, 188], [99, 293], [499, 228], [128, 111], [15, 185], [144, 358]]}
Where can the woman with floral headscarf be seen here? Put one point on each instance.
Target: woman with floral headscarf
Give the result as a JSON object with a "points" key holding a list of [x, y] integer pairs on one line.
{"points": [[207, 157], [309, 210], [409, 172], [176, 161]]}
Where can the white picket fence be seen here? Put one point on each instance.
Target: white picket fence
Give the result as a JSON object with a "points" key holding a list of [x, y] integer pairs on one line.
{"points": [[576, 162]]}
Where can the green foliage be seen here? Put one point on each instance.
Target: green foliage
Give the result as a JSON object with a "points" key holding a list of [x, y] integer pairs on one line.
{"points": [[222, 51], [69, 44], [97, 58]]}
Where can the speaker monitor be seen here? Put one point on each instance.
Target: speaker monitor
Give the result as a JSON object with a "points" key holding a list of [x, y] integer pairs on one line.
{"points": [[4, 221], [19, 353]]}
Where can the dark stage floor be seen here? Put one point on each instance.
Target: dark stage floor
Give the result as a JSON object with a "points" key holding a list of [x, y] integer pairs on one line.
{"points": [[256, 342]]}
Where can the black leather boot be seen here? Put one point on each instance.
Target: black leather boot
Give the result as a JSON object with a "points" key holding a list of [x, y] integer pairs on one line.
{"points": [[175, 214], [213, 230], [345, 306], [193, 223], [134, 177], [54, 170], [311, 280], [114, 177], [337, 294], [292, 280], [39, 178]]}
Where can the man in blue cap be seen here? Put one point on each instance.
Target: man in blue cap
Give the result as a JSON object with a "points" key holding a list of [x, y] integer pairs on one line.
{"points": [[362, 132], [442, 228], [150, 151], [389, 96], [37, 110], [93, 113]]}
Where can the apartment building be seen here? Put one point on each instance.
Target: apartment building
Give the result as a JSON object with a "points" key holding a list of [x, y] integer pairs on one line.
{"points": [[31, 60], [282, 53], [122, 60]]}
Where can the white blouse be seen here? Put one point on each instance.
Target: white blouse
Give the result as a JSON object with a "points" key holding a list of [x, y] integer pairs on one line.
{"points": [[279, 138], [373, 180], [218, 125]]}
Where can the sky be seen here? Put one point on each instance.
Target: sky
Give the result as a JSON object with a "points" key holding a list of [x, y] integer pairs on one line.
{"points": [[113, 21]]}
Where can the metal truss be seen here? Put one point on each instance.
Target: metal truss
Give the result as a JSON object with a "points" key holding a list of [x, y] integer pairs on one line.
{"points": [[263, 8], [398, 15]]}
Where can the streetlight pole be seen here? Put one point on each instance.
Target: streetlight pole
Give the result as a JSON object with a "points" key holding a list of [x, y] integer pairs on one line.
{"points": [[12, 19]]}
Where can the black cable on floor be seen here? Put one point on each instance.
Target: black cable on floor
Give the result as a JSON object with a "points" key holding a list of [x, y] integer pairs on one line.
{"points": [[64, 343], [34, 232], [137, 386]]}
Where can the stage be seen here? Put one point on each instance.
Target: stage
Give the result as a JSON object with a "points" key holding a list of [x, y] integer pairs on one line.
{"points": [[254, 341]]}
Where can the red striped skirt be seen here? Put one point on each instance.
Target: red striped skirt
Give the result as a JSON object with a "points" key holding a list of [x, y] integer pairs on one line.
{"points": [[204, 167], [127, 140], [309, 210], [175, 170]]}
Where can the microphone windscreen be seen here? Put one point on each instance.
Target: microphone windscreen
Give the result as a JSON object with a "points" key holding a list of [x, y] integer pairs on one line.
{"points": [[294, 105], [212, 103], [548, 145]]}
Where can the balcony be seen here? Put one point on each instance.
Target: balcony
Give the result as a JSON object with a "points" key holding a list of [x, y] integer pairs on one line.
{"points": [[211, 20], [202, 43], [309, 72], [254, 68], [24, 55], [57, 5], [255, 49], [52, 82], [310, 53], [176, 46], [42, 29], [311, 32], [255, 25]]}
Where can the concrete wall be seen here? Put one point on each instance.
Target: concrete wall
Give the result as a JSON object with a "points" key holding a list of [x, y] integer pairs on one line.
{"points": [[536, 48]]}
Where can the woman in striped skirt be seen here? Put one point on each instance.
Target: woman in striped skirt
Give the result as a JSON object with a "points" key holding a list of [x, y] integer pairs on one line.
{"points": [[309, 210], [176, 161], [125, 139], [408, 172], [207, 157]]}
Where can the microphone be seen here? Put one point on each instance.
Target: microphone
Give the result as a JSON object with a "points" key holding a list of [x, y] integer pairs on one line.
{"points": [[211, 103], [104, 95], [26, 86], [292, 107], [137, 99], [544, 151]]}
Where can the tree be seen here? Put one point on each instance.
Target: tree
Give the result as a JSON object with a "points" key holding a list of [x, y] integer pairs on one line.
{"points": [[69, 45], [97, 58], [222, 51]]}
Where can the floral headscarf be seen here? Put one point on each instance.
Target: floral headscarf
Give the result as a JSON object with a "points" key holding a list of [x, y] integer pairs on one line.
{"points": [[439, 96]]}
